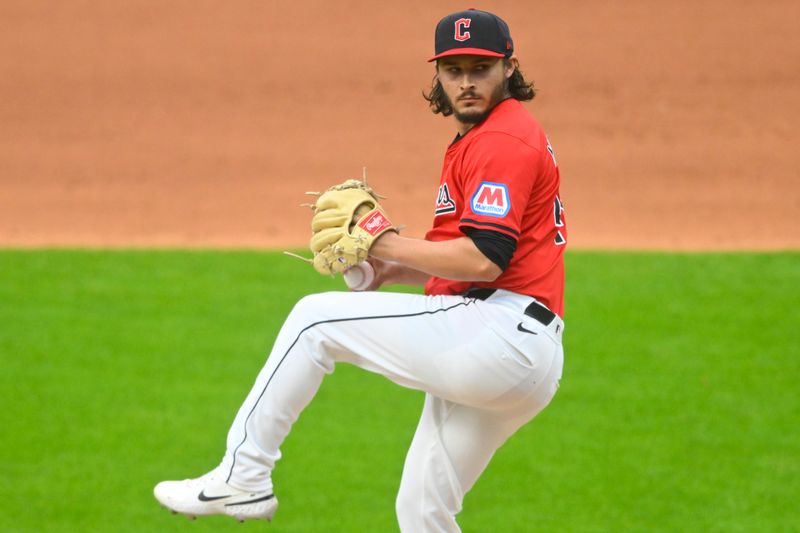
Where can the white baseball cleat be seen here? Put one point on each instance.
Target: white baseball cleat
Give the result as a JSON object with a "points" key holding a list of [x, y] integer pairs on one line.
{"points": [[209, 495]]}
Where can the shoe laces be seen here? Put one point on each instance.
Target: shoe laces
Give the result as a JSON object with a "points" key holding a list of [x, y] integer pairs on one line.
{"points": [[209, 477]]}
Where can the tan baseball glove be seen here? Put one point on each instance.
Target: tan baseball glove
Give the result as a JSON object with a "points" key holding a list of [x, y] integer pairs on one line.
{"points": [[347, 219]]}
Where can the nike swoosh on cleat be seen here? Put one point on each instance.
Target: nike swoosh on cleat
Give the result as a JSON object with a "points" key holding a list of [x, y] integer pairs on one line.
{"points": [[521, 328], [261, 499], [203, 498]]}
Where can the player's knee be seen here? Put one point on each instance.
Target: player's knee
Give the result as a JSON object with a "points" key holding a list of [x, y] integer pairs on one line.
{"points": [[306, 325], [427, 502], [408, 508], [414, 513], [315, 307], [410, 505]]}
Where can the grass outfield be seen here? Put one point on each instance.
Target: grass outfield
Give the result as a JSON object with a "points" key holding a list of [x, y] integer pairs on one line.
{"points": [[678, 410]]}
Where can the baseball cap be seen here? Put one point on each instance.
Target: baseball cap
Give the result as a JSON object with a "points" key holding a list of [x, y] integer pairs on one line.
{"points": [[472, 32]]}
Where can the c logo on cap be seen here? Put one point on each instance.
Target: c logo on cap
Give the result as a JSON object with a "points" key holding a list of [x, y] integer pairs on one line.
{"points": [[461, 25]]}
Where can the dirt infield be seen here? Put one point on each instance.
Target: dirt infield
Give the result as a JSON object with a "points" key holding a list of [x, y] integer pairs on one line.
{"points": [[201, 123]]}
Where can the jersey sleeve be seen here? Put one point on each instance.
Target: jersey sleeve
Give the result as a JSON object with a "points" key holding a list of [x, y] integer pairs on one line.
{"points": [[497, 247], [498, 173]]}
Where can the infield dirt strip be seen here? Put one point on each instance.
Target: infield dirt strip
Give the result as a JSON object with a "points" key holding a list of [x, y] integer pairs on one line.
{"points": [[197, 123]]}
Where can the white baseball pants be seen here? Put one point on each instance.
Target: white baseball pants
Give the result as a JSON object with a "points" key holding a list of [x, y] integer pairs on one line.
{"points": [[484, 377]]}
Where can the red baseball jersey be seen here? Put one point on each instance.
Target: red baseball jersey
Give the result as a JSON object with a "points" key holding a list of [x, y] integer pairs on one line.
{"points": [[502, 176]]}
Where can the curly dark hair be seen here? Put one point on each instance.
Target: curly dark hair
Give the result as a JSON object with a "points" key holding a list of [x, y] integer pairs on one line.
{"points": [[517, 87]]}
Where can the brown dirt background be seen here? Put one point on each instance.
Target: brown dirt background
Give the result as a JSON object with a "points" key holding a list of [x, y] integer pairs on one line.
{"points": [[201, 123]]}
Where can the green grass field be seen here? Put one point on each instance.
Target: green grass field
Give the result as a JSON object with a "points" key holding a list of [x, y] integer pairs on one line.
{"points": [[678, 411]]}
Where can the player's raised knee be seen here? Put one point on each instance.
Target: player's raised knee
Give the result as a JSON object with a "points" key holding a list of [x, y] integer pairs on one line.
{"points": [[313, 304], [316, 307]]}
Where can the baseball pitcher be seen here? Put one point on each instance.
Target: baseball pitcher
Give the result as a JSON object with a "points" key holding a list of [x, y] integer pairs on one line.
{"points": [[483, 342]]}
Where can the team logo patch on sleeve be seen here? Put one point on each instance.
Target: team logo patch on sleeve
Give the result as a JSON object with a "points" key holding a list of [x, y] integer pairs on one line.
{"points": [[491, 199], [444, 203]]}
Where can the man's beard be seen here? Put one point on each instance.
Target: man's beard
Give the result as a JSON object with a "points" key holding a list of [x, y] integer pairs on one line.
{"points": [[497, 96], [472, 118]]}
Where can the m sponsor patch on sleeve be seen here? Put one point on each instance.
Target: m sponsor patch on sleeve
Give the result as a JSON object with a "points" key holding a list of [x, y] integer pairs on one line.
{"points": [[491, 199]]}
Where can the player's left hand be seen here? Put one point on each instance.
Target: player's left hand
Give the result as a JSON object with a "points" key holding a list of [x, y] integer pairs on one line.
{"points": [[348, 218]]}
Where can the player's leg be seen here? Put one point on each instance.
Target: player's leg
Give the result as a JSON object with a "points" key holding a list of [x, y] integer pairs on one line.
{"points": [[452, 446], [320, 330], [436, 344]]}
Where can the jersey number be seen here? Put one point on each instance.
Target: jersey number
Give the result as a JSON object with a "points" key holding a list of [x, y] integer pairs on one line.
{"points": [[558, 216]]}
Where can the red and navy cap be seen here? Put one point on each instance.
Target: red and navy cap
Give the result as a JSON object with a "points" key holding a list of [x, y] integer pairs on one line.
{"points": [[472, 32]]}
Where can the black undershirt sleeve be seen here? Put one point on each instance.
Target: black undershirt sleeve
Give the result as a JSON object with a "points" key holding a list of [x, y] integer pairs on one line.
{"points": [[497, 247]]}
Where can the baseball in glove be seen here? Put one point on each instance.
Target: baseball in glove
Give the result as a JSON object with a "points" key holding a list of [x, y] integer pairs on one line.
{"points": [[348, 218]]}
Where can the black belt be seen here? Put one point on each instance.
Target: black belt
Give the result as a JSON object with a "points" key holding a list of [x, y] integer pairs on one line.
{"points": [[535, 310]]}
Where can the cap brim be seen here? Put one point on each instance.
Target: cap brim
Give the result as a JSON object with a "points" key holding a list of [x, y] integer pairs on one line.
{"points": [[467, 52]]}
